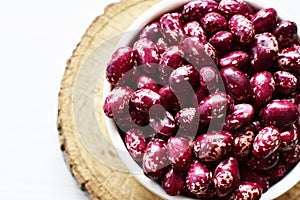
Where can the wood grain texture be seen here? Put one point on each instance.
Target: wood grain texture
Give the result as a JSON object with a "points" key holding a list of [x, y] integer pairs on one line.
{"points": [[98, 179]]}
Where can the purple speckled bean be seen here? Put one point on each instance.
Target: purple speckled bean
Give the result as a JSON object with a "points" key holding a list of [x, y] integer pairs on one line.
{"points": [[193, 28], [172, 27], [155, 159], [198, 53], [263, 86], [291, 157], [183, 78], [146, 82], [236, 83], [289, 138], [179, 153], [279, 113], [243, 141], [213, 22], [249, 175], [162, 121], [236, 59], [195, 10], [289, 59], [276, 173], [209, 78], [286, 33], [162, 45], [215, 106], [151, 32], [142, 99], [241, 115], [286, 83], [187, 120], [213, 146], [147, 54], [136, 143], [222, 41], [116, 101], [123, 60], [263, 52], [264, 20], [231, 7], [242, 29], [168, 99], [226, 177], [247, 191], [263, 164], [174, 182], [199, 178], [266, 142]]}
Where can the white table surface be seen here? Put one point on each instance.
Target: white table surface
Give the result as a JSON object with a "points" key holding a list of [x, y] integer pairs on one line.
{"points": [[36, 39]]}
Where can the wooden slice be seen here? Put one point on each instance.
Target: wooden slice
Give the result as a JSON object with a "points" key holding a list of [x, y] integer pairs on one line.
{"points": [[88, 150]]}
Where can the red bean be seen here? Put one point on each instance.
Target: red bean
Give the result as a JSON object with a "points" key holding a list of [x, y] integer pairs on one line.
{"points": [[169, 99], [172, 27], [147, 54], [116, 101], [286, 83], [123, 60], [215, 106], [143, 99], [136, 143], [236, 83], [279, 113], [161, 121], [193, 28], [199, 178], [266, 142], [198, 53], [236, 59], [183, 79], [289, 59], [247, 191], [231, 7], [151, 32], [243, 141], [263, 52], [213, 146], [222, 41], [174, 182], [213, 22], [179, 153], [226, 177], [187, 120], [147, 83], [263, 164], [195, 10], [155, 160], [276, 173], [241, 115], [265, 20], [289, 138], [286, 33], [263, 87], [209, 78], [291, 157]]}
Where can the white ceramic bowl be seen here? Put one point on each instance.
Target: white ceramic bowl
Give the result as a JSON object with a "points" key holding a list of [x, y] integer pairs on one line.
{"points": [[291, 179]]}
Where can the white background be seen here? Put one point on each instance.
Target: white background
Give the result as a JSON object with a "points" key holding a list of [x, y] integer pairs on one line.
{"points": [[36, 39]]}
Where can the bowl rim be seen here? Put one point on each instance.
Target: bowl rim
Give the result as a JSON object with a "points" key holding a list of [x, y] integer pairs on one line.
{"points": [[290, 179]]}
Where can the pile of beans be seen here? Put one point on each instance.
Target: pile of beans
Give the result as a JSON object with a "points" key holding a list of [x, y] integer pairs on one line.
{"points": [[206, 99]]}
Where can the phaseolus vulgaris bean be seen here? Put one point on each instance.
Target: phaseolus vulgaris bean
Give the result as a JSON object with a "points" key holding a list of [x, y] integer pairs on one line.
{"points": [[155, 159], [236, 83], [213, 146], [279, 113], [222, 41], [226, 176], [215, 106], [195, 10], [266, 142], [207, 91], [264, 20], [263, 52], [247, 191], [199, 178]]}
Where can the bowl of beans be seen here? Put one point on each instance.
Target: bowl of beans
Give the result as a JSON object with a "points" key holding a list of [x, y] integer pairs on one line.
{"points": [[202, 100]]}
